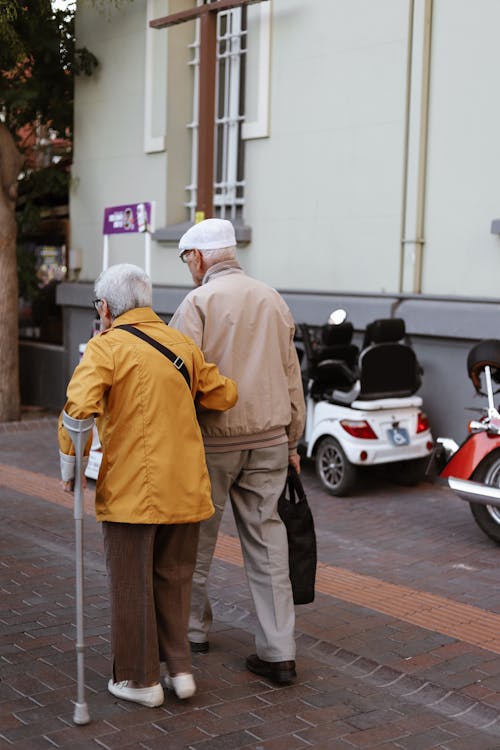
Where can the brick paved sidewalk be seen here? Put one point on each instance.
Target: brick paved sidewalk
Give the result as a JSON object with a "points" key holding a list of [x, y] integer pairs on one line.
{"points": [[401, 648]]}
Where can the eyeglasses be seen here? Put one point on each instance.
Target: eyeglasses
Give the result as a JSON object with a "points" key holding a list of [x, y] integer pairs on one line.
{"points": [[95, 303], [184, 256]]}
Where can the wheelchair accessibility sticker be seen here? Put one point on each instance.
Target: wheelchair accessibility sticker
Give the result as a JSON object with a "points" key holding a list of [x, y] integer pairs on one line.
{"points": [[399, 436]]}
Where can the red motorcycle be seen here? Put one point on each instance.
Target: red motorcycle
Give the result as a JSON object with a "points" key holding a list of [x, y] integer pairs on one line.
{"points": [[472, 470]]}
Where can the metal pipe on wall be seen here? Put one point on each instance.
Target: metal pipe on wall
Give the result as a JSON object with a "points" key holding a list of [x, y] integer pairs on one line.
{"points": [[406, 146], [415, 146], [424, 137]]}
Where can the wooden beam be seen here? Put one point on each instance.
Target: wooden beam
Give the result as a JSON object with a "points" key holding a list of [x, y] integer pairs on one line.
{"points": [[199, 12], [206, 123], [207, 81]]}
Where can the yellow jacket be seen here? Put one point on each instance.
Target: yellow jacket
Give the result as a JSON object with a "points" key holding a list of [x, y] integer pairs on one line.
{"points": [[153, 468]]}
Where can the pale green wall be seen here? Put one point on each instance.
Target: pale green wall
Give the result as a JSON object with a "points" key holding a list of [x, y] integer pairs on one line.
{"points": [[110, 166], [324, 191], [462, 256]]}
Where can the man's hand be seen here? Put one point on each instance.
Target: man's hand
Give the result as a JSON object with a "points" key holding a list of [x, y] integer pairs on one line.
{"points": [[294, 460]]}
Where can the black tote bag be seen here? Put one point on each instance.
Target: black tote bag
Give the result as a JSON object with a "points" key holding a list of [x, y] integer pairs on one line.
{"points": [[295, 513]]}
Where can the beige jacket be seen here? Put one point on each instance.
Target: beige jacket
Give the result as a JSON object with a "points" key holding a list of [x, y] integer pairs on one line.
{"points": [[153, 467], [246, 328]]}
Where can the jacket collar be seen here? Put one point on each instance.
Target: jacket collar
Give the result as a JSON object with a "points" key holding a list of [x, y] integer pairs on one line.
{"points": [[222, 269], [137, 315]]}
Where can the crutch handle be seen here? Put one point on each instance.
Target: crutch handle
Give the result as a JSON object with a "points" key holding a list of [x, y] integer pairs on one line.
{"points": [[78, 425], [79, 430]]}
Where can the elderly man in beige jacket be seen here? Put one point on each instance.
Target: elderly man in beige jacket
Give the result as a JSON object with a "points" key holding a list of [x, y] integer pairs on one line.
{"points": [[245, 327]]}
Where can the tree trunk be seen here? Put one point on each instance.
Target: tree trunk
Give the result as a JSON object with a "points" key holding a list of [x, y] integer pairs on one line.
{"points": [[10, 165]]}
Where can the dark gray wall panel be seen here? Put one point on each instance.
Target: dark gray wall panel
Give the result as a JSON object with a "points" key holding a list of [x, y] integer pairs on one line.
{"points": [[442, 330]]}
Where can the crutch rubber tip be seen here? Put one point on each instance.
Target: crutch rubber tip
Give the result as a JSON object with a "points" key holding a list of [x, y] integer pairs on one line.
{"points": [[81, 714]]}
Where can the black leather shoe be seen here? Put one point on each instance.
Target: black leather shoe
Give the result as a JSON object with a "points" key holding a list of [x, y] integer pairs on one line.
{"points": [[281, 672], [199, 648]]}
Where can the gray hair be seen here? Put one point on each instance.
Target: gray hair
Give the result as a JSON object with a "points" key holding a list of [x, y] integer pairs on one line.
{"points": [[217, 256], [124, 287]]}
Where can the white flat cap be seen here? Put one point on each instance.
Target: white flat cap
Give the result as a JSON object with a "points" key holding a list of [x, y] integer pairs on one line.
{"points": [[210, 234]]}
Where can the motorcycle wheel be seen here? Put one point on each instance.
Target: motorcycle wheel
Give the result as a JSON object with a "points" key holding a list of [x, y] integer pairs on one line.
{"points": [[487, 517], [338, 476]]}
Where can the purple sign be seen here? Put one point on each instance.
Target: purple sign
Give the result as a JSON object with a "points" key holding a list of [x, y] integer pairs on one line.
{"points": [[128, 219]]}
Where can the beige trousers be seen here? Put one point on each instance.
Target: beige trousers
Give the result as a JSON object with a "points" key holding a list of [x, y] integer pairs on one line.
{"points": [[150, 569], [253, 480]]}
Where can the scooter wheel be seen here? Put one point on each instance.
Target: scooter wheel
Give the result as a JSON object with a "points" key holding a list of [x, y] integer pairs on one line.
{"points": [[487, 517], [338, 476]]}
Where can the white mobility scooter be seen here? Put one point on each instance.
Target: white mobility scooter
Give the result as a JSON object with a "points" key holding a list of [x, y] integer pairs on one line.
{"points": [[362, 407]]}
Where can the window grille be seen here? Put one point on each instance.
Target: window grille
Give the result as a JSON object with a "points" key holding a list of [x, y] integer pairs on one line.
{"points": [[229, 108]]}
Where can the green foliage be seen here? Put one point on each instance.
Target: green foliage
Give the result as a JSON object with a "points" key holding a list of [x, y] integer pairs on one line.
{"points": [[11, 47], [38, 190], [38, 62]]}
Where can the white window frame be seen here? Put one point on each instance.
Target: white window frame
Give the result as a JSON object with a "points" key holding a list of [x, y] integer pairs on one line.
{"points": [[231, 129], [228, 189], [257, 83]]}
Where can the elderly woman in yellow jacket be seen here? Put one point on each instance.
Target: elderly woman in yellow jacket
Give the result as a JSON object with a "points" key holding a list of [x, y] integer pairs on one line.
{"points": [[153, 487]]}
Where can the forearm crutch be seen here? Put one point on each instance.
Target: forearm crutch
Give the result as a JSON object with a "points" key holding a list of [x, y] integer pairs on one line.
{"points": [[79, 431]]}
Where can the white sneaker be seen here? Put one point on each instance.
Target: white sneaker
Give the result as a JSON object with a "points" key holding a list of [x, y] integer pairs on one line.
{"points": [[182, 684], [147, 696]]}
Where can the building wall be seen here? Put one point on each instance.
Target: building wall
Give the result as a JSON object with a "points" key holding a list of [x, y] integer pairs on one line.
{"points": [[462, 256], [350, 150], [326, 187]]}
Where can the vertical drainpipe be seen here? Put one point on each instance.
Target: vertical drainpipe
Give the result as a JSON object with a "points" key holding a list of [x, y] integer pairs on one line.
{"points": [[424, 137], [418, 240], [406, 142]]}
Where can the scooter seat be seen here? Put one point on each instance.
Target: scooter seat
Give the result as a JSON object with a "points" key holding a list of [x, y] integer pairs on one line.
{"points": [[388, 370], [384, 331], [346, 398], [336, 345], [334, 373], [327, 377]]}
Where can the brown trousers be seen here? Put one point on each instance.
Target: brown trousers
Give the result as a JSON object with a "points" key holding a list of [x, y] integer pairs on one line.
{"points": [[150, 569]]}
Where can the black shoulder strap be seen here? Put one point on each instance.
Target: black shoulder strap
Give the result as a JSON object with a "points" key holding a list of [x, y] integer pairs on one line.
{"points": [[178, 362]]}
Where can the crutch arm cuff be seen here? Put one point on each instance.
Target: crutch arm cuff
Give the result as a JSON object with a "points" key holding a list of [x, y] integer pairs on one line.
{"points": [[67, 464]]}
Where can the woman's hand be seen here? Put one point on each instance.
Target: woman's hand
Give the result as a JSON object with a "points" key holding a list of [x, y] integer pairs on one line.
{"points": [[70, 486]]}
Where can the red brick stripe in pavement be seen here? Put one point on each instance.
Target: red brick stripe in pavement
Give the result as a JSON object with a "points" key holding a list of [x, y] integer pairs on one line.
{"points": [[461, 621]]}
